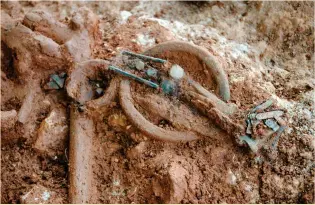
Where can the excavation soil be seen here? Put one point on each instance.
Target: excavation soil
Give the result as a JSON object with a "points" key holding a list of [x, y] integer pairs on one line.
{"points": [[266, 48]]}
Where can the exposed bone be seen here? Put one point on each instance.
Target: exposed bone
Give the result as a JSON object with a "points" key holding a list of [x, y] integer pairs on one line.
{"points": [[224, 122], [101, 105], [82, 132], [28, 103], [14, 8], [213, 113], [143, 124], [38, 50], [212, 100], [280, 121], [206, 57], [180, 116], [79, 46], [77, 84], [86, 37], [33, 50], [7, 22], [45, 23]]}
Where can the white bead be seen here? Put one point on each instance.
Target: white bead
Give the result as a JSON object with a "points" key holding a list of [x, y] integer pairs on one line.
{"points": [[177, 72], [139, 65]]}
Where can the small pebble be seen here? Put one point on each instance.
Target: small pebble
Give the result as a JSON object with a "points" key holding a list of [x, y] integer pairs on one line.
{"points": [[139, 65], [99, 91], [231, 178], [248, 188], [177, 72]]}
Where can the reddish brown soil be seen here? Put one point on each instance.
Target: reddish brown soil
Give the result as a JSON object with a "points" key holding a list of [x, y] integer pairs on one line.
{"points": [[129, 167]]}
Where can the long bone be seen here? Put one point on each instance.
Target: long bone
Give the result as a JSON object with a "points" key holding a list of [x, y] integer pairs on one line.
{"points": [[180, 116], [221, 119]]}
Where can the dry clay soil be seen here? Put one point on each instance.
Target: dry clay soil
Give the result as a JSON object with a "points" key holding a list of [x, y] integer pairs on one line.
{"points": [[266, 49]]}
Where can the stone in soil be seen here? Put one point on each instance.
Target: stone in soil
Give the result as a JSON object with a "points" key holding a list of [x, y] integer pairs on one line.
{"points": [[137, 151], [40, 195], [172, 187], [8, 119], [53, 132]]}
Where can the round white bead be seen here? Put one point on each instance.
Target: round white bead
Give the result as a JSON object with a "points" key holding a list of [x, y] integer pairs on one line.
{"points": [[139, 65], [177, 72]]}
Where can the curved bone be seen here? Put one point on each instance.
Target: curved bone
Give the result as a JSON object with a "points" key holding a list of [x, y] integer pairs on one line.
{"points": [[144, 125], [180, 116], [101, 104], [46, 24], [33, 50], [203, 55], [78, 86]]}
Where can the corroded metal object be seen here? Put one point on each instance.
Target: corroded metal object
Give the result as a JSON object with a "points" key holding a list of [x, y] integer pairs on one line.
{"points": [[56, 82], [268, 115], [144, 57], [272, 124], [133, 76], [271, 119]]}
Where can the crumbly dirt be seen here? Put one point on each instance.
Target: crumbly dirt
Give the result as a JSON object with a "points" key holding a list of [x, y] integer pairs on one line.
{"points": [[266, 49]]}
